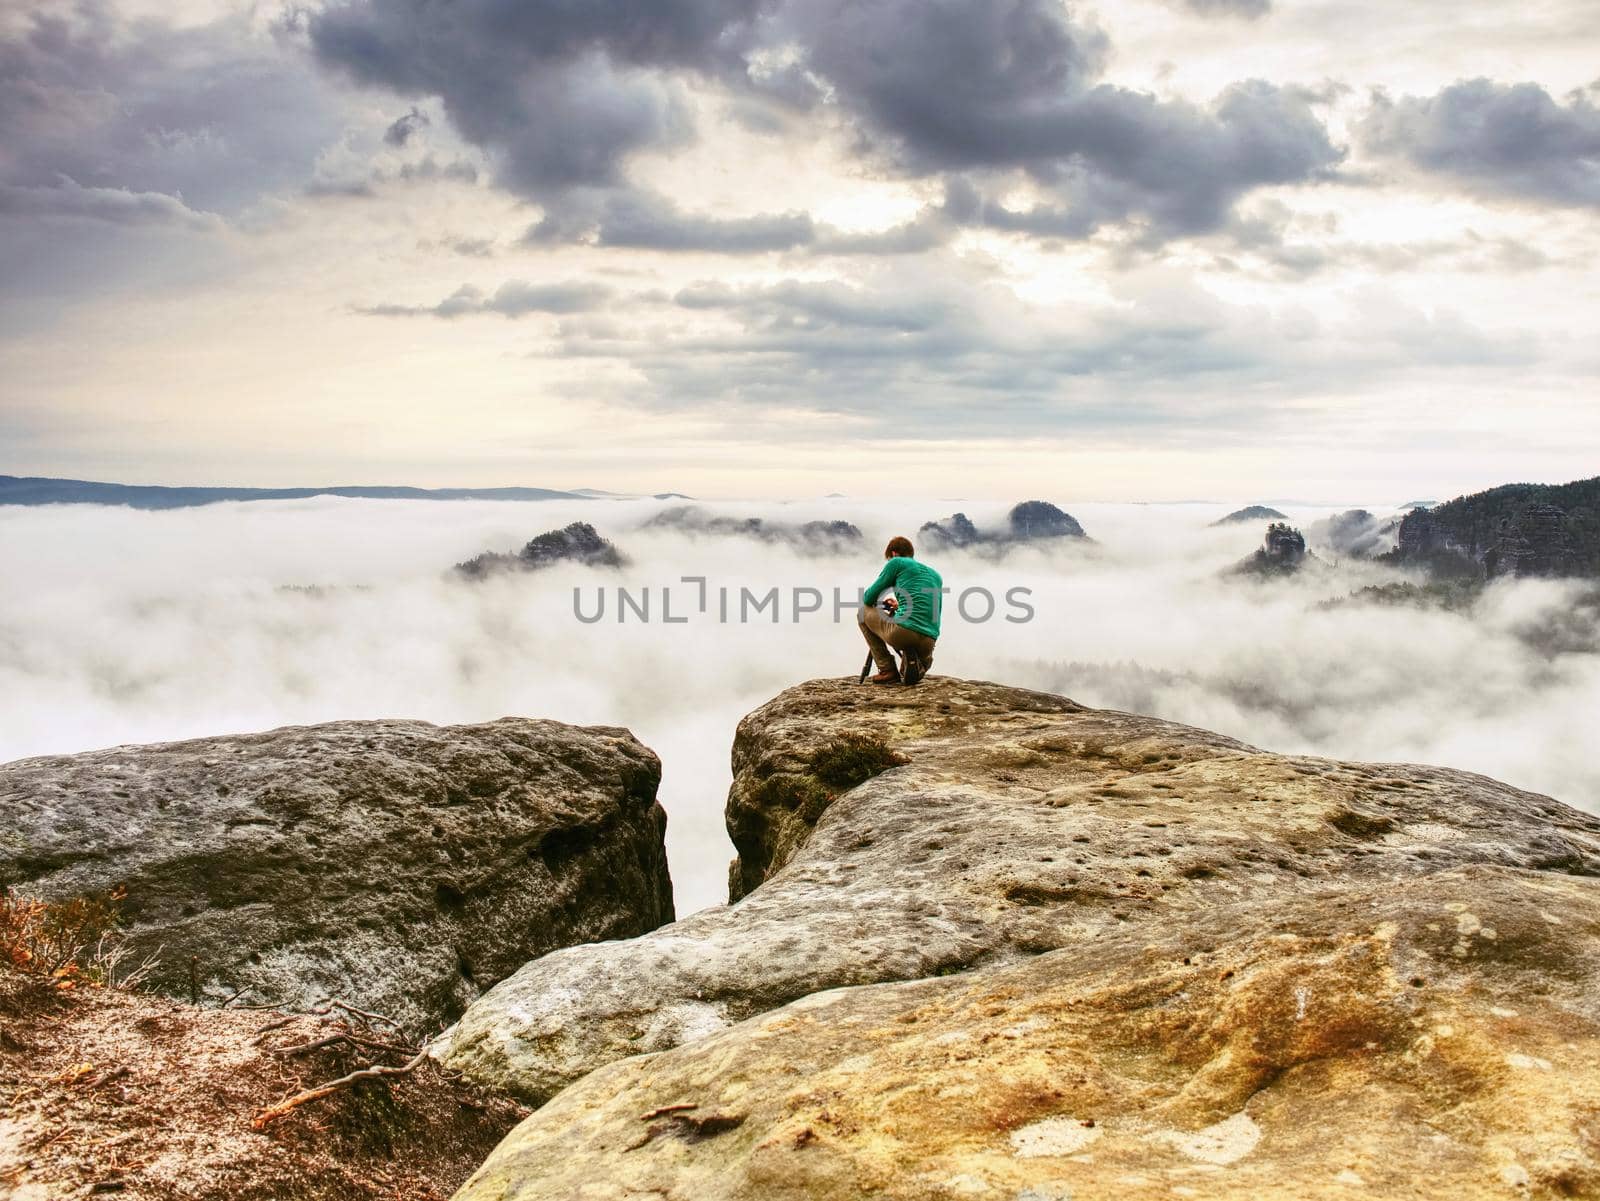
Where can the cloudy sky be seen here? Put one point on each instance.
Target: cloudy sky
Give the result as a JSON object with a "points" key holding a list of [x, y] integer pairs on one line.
{"points": [[1143, 249]]}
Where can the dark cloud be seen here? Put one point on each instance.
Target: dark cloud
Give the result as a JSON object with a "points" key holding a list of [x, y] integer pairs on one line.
{"points": [[560, 92], [424, 170], [209, 115], [994, 87], [514, 298], [400, 132], [1178, 169], [640, 220], [952, 84], [1507, 140], [458, 170]]}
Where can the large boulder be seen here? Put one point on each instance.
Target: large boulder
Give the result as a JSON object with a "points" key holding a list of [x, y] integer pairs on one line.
{"points": [[400, 866], [1434, 1035], [901, 834]]}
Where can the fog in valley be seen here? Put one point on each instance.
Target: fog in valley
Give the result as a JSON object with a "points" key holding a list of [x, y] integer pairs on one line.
{"points": [[124, 626]]}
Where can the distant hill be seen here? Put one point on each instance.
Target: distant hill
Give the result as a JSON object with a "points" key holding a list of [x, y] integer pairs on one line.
{"points": [[1513, 530], [810, 537], [26, 490], [1252, 513], [602, 494]]}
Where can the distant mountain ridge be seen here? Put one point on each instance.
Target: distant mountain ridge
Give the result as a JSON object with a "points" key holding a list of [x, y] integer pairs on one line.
{"points": [[41, 490]]}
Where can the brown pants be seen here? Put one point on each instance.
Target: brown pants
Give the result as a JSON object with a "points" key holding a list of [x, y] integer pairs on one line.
{"points": [[881, 632]]}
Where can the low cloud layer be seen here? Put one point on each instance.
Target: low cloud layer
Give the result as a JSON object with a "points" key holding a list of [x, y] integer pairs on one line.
{"points": [[514, 298], [1248, 9], [139, 627]]}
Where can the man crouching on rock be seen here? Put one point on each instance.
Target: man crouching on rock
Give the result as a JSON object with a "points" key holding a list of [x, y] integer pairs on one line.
{"points": [[907, 619]]}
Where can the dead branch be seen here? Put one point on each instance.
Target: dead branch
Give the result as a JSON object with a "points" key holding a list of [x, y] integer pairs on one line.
{"points": [[332, 1003], [341, 1037], [277, 1025], [375, 1072]]}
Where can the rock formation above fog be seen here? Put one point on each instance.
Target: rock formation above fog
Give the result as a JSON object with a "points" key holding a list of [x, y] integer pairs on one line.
{"points": [[810, 537], [575, 543], [1282, 552], [1030, 521], [1249, 514], [399, 865], [1515, 530], [1060, 951]]}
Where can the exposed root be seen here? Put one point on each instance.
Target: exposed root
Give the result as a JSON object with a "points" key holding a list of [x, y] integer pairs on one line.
{"points": [[375, 1072]]}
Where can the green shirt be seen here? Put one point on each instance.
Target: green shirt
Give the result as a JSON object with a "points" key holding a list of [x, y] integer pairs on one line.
{"points": [[919, 590]]}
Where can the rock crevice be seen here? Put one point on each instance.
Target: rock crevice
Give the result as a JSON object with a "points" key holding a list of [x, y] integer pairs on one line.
{"points": [[1019, 823], [1047, 951]]}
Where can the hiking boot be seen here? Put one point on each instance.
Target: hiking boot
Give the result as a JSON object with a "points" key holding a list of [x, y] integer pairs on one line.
{"points": [[913, 670], [886, 677]]}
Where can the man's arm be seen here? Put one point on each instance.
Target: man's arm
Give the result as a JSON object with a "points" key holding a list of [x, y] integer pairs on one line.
{"points": [[890, 573]]}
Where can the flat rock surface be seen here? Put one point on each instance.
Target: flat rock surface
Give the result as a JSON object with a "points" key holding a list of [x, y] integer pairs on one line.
{"points": [[1019, 823], [1435, 1037], [398, 865]]}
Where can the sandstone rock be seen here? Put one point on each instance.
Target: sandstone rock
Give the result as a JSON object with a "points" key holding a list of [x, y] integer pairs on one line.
{"points": [[1040, 519], [1534, 543], [1020, 823], [1282, 552], [575, 543], [399, 865], [1513, 530], [1030, 521], [956, 531], [1437, 1036]]}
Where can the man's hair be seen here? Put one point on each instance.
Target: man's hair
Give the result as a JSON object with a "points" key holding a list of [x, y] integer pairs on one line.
{"points": [[898, 547]]}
